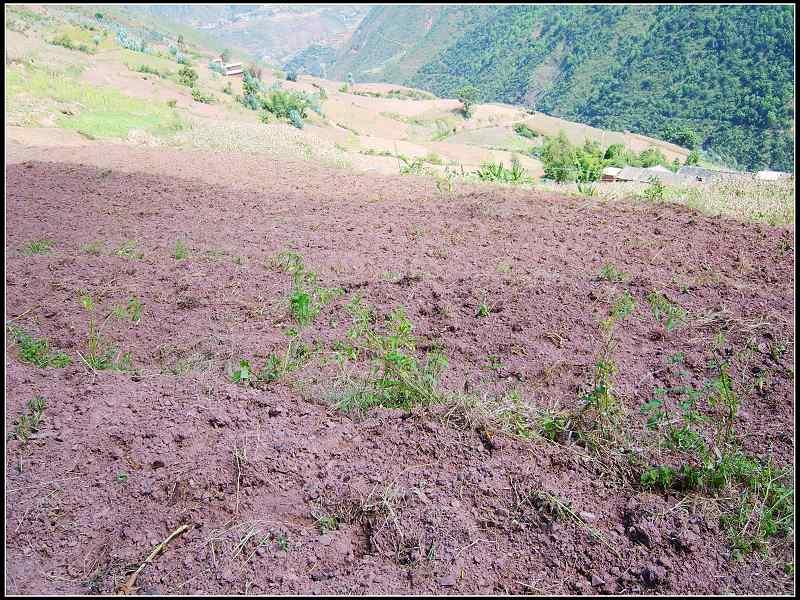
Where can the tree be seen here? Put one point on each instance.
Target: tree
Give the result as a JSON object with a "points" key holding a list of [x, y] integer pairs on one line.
{"points": [[681, 135], [560, 159], [468, 95], [187, 76], [693, 158]]}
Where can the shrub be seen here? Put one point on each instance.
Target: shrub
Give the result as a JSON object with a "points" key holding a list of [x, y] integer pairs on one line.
{"points": [[652, 157], [681, 135], [468, 95], [130, 42], [251, 83], [559, 158], [199, 96], [693, 158], [525, 131], [281, 103], [655, 191], [187, 76], [64, 41], [295, 119], [497, 172]]}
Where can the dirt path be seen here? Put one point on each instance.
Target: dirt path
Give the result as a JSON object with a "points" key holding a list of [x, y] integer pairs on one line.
{"points": [[424, 505]]}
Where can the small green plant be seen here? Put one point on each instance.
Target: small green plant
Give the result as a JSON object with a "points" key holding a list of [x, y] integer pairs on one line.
{"points": [[243, 373], [129, 250], [132, 311], [122, 477], [100, 354], [64, 41], [610, 273], [283, 542], [493, 363], [483, 309], [181, 251], [656, 191], [37, 247], [553, 425], [411, 166], [172, 103], [397, 377], [601, 396], [623, 306], [306, 298], [37, 351], [29, 423], [327, 523], [672, 314], [661, 476], [94, 248], [725, 397]]}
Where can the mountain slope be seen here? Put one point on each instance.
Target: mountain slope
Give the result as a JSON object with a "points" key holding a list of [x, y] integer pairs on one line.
{"points": [[722, 72], [393, 42], [272, 32]]}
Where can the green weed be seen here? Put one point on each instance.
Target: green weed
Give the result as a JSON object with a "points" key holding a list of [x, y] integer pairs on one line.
{"points": [[93, 248], [129, 249], [37, 351], [100, 354], [610, 273], [397, 377], [672, 314], [29, 423], [37, 247], [181, 251]]}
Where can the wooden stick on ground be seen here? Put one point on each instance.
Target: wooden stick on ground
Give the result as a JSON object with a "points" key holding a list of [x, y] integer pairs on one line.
{"points": [[130, 585]]}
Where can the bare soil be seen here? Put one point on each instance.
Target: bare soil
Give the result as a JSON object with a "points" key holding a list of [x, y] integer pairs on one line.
{"points": [[426, 506]]}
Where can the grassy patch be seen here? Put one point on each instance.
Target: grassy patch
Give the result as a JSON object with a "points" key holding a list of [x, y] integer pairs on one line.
{"points": [[37, 351], [398, 377], [37, 247], [95, 111]]}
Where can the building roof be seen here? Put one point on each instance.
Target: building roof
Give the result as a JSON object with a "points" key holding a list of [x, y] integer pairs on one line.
{"points": [[629, 173], [771, 175], [703, 174], [645, 175]]}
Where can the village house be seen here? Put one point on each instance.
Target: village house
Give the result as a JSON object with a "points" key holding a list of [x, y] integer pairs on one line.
{"points": [[234, 68]]}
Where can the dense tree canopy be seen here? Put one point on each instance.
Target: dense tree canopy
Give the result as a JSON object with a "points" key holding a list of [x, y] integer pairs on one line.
{"points": [[720, 78]]}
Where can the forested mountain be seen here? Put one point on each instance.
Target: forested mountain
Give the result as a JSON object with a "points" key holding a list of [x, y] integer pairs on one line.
{"points": [[721, 74]]}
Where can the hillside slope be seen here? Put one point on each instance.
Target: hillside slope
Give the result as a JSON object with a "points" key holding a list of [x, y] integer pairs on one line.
{"points": [[272, 32], [724, 73]]}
